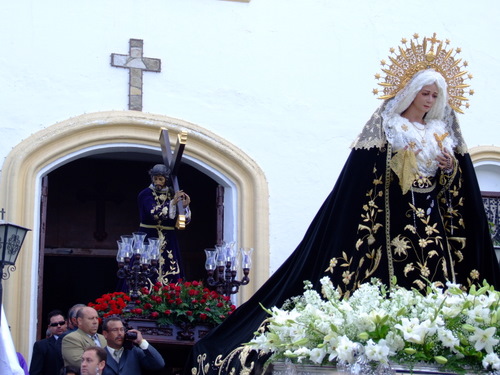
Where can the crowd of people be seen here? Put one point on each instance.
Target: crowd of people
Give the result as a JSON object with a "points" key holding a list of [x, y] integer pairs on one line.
{"points": [[74, 347]]}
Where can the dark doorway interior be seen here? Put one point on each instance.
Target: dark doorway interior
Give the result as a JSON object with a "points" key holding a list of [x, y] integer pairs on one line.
{"points": [[92, 201]]}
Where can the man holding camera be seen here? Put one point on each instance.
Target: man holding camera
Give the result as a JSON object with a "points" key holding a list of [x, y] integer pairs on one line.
{"points": [[128, 352]]}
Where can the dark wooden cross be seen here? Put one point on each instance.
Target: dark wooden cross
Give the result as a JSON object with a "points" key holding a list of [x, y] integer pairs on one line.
{"points": [[173, 161], [136, 64], [101, 196], [2, 212]]}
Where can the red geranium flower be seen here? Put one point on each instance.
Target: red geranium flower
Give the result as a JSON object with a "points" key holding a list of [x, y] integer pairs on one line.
{"points": [[110, 304], [173, 303]]}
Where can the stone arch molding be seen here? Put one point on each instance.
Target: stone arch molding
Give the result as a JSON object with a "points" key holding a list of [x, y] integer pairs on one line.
{"points": [[485, 154], [486, 161], [29, 161]]}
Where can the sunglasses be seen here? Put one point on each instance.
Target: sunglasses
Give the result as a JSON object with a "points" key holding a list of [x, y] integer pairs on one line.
{"points": [[61, 323]]}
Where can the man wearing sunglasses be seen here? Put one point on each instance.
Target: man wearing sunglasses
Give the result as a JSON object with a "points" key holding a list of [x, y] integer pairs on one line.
{"points": [[47, 358]]}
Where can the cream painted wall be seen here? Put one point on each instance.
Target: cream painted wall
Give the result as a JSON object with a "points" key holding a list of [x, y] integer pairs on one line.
{"points": [[286, 81]]}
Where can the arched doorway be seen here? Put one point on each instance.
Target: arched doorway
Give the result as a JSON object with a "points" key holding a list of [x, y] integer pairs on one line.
{"points": [[90, 203], [246, 214]]}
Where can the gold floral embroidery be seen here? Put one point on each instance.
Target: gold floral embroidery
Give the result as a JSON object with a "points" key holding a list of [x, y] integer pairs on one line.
{"points": [[333, 263], [423, 249], [400, 245], [408, 268], [226, 365], [428, 248], [370, 225], [422, 181]]}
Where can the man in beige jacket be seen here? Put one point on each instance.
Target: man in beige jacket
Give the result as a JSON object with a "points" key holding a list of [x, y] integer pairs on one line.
{"points": [[75, 343]]}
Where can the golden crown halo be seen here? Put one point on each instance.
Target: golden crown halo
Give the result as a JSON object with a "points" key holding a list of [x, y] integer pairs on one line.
{"points": [[429, 53]]}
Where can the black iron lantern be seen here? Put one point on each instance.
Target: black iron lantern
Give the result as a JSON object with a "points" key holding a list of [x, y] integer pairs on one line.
{"points": [[11, 239]]}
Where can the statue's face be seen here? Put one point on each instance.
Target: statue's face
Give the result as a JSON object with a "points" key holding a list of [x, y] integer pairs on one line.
{"points": [[159, 182], [426, 98]]}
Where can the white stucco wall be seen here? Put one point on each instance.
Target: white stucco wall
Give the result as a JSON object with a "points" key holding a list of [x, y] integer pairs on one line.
{"points": [[287, 81]]}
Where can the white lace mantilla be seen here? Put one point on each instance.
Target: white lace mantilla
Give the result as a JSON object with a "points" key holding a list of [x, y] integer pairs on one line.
{"points": [[373, 133]]}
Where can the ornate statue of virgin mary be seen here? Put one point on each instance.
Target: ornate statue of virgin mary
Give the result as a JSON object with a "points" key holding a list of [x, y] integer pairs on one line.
{"points": [[406, 208]]}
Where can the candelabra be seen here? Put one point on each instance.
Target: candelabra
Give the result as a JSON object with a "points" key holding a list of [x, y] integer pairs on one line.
{"points": [[222, 265], [137, 261]]}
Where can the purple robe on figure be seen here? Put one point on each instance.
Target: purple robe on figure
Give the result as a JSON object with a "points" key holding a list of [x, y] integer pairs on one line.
{"points": [[158, 217]]}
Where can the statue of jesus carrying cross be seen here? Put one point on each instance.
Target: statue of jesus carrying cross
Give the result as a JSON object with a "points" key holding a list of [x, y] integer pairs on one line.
{"points": [[163, 208]]}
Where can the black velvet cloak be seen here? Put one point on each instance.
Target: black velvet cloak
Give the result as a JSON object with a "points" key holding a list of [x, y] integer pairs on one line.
{"points": [[354, 237]]}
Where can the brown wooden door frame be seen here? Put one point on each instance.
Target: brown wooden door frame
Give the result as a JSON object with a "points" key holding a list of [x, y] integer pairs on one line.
{"points": [[41, 253]]}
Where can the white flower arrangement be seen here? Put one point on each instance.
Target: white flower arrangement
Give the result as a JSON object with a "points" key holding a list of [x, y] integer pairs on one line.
{"points": [[377, 326]]}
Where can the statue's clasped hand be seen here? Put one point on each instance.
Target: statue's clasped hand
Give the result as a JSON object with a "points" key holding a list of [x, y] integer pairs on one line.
{"points": [[181, 196], [445, 160]]}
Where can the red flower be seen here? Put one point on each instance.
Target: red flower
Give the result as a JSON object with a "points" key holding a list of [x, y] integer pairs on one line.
{"points": [[110, 304], [173, 303]]}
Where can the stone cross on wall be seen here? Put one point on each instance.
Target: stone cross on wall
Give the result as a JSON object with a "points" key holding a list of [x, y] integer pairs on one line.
{"points": [[136, 64]]}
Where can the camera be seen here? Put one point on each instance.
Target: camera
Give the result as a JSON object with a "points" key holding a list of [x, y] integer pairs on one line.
{"points": [[130, 336], [128, 343]]}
